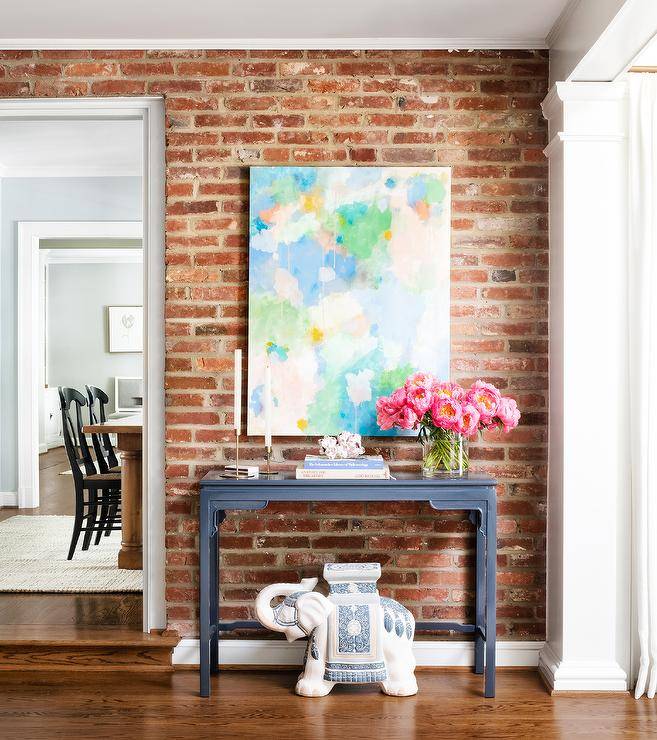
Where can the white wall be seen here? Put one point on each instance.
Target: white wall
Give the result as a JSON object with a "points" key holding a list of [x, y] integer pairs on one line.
{"points": [[600, 38], [580, 29], [77, 329], [44, 199]]}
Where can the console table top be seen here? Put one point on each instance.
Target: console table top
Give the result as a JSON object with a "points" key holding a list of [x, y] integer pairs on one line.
{"points": [[405, 486], [402, 479]]}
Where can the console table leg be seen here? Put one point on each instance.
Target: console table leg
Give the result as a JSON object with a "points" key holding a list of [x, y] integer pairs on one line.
{"points": [[214, 600], [491, 623], [480, 598], [205, 574]]}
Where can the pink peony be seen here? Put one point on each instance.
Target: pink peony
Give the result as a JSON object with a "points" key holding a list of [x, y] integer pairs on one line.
{"points": [[395, 411], [469, 421], [446, 413], [420, 399], [484, 397], [508, 413], [420, 379], [398, 398], [406, 418], [449, 390], [386, 412]]}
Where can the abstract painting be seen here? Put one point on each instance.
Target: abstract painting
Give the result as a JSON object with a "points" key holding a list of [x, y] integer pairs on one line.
{"points": [[348, 291]]}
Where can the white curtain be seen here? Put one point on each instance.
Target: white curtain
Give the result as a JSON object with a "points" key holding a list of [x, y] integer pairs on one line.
{"points": [[643, 367]]}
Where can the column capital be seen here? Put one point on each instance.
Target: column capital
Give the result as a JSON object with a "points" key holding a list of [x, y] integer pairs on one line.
{"points": [[584, 112]]}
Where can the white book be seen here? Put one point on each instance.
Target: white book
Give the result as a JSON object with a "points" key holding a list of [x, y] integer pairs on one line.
{"points": [[342, 474], [250, 470]]}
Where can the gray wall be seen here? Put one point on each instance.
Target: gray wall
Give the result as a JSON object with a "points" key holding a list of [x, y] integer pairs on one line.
{"points": [[44, 199], [78, 343]]}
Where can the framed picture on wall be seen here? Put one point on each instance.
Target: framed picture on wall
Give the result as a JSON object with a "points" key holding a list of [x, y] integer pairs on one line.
{"points": [[126, 328]]}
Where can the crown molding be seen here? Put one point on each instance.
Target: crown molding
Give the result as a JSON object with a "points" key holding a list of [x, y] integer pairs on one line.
{"points": [[561, 22], [501, 42]]}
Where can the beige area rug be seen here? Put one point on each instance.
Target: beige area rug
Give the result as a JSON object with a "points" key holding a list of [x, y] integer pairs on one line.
{"points": [[33, 552]]}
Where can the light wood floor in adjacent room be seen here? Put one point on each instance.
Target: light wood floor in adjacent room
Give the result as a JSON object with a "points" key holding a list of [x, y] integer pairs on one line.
{"points": [[262, 705], [56, 494]]}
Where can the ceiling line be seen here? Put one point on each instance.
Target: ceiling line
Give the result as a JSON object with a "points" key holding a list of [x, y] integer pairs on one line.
{"points": [[501, 42]]}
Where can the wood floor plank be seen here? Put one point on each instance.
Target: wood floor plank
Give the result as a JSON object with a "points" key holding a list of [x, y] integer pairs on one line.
{"points": [[262, 705]]}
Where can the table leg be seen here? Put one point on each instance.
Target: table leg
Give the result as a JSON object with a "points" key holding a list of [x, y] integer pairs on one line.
{"points": [[205, 574], [491, 623], [480, 595], [214, 594], [130, 554]]}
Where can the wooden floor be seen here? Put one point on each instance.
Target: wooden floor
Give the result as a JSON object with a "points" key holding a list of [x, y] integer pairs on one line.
{"points": [[262, 705], [57, 496]]}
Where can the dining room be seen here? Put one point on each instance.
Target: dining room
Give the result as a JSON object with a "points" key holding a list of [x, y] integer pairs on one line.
{"points": [[70, 537]]}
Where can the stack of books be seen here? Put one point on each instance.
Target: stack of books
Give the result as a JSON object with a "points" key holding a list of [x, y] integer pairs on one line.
{"points": [[365, 467]]}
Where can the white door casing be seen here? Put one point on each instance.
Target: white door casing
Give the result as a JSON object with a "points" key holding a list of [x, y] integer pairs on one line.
{"points": [[151, 112]]}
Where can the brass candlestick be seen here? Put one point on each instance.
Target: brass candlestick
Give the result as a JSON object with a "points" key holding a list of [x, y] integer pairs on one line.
{"points": [[268, 472], [237, 473]]}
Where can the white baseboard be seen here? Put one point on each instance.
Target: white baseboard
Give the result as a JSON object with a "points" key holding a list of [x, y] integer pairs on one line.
{"points": [[427, 653], [569, 675], [8, 498]]}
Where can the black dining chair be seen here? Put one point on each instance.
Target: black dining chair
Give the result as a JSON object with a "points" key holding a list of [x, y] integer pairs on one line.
{"points": [[92, 489], [103, 447]]}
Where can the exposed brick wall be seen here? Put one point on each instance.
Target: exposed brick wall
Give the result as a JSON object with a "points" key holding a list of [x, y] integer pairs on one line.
{"points": [[478, 112]]}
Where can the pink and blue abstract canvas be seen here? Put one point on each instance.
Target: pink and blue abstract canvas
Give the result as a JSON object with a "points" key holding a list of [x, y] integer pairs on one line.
{"points": [[348, 291]]}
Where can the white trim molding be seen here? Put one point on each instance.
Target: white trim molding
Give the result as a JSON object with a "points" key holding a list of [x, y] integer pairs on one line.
{"points": [[31, 331], [9, 499], [427, 653], [100, 256], [150, 110], [592, 675], [329, 43], [588, 541]]}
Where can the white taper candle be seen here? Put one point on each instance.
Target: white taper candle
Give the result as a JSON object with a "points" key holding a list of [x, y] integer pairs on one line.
{"points": [[268, 402], [237, 411]]}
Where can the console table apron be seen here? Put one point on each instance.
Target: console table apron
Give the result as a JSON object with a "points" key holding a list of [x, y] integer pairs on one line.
{"points": [[475, 495]]}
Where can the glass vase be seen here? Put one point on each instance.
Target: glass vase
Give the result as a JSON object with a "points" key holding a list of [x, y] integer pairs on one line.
{"points": [[444, 453]]}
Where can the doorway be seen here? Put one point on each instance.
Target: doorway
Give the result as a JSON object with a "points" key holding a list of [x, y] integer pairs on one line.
{"points": [[32, 431]]}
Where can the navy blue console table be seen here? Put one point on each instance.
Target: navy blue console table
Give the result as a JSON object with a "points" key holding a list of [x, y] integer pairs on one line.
{"points": [[475, 495]]}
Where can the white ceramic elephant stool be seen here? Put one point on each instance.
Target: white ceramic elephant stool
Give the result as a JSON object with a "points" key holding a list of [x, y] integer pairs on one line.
{"points": [[354, 635]]}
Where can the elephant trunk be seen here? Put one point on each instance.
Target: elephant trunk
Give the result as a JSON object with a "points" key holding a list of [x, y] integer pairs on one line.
{"points": [[263, 607]]}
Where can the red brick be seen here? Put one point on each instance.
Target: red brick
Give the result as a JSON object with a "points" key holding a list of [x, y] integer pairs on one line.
{"points": [[91, 69], [37, 69], [230, 108], [253, 69], [481, 103], [252, 102], [278, 121], [203, 69], [147, 69]]}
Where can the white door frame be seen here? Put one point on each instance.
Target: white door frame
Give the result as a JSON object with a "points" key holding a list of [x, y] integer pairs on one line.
{"points": [[30, 332], [151, 112]]}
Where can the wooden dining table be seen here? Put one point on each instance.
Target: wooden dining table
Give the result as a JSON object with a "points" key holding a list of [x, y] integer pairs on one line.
{"points": [[129, 433]]}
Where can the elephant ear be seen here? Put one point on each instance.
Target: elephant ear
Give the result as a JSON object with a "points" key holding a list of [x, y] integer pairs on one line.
{"points": [[312, 609]]}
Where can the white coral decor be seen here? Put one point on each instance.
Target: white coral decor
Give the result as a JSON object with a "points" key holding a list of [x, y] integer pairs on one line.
{"points": [[345, 445]]}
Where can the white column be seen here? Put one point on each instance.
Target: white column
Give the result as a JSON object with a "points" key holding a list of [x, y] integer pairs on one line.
{"points": [[588, 565]]}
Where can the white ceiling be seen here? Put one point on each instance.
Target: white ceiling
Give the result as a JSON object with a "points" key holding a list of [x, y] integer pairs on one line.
{"points": [[278, 23], [70, 148]]}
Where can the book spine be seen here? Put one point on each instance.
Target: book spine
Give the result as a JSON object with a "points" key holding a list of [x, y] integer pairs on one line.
{"points": [[341, 465], [343, 474]]}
